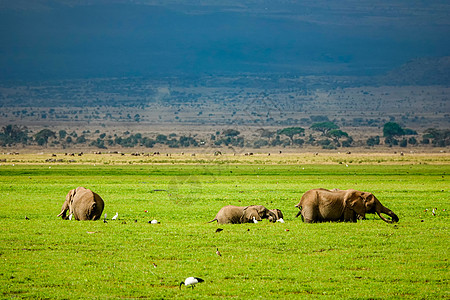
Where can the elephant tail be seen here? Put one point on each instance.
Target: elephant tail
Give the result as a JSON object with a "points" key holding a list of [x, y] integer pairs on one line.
{"points": [[215, 219]]}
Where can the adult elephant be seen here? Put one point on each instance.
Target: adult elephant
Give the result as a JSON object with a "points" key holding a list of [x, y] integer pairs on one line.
{"points": [[82, 204], [231, 214], [319, 205]]}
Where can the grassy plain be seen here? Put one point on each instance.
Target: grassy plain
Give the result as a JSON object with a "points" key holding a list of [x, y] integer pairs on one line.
{"points": [[46, 257]]}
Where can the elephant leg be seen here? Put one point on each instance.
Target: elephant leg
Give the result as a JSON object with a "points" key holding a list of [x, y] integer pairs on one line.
{"points": [[349, 215], [309, 215]]}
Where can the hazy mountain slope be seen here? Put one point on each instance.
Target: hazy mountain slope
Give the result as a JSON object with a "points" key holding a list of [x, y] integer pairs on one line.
{"points": [[73, 39]]}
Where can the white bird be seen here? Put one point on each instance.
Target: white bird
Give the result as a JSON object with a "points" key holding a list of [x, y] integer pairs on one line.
{"points": [[254, 220], [115, 216], [280, 220], [434, 211], [191, 281], [153, 222], [70, 216]]}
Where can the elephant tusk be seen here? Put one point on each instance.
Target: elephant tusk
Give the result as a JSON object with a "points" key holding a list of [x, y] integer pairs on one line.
{"points": [[384, 219]]}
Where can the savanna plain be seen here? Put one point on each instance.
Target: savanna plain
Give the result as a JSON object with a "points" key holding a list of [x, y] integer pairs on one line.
{"points": [[45, 257]]}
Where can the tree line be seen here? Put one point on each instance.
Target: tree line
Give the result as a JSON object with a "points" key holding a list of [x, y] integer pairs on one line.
{"points": [[326, 135]]}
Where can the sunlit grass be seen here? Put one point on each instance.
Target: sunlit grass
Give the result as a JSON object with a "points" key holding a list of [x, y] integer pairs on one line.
{"points": [[46, 257]]}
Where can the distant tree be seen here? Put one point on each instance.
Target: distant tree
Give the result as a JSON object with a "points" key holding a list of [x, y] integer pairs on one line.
{"points": [[290, 132], [161, 138], [43, 136], [348, 142], [392, 129], [408, 131], [324, 127], [265, 133], [231, 132], [439, 138], [372, 141], [337, 134], [62, 134], [13, 134], [403, 143], [412, 140], [99, 143], [186, 141], [81, 139], [260, 143]]}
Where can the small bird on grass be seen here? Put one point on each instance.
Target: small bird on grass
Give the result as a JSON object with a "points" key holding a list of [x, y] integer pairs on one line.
{"points": [[115, 216], [26, 218], [434, 211], [154, 222], [104, 220], [191, 281], [219, 229], [254, 220], [218, 252], [280, 220], [70, 216]]}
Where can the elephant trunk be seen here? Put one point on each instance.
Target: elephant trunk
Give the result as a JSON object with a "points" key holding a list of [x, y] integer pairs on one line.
{"points": [[62, 214], [64, 209], [272, 217], [390, 213]]}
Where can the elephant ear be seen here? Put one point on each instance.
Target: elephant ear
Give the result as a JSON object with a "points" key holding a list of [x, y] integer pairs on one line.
{"points": [[369, 202], [71, 195], [355, 201], [65, 206], [248, 213]]}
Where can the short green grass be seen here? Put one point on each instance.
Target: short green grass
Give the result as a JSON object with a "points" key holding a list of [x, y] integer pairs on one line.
{"points": [[46, 257]]}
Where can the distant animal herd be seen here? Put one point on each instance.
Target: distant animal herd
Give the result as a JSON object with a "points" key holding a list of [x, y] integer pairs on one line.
{"points": [[316, 205]]}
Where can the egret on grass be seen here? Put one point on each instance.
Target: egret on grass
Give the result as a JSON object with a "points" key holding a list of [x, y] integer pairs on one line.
{"points": [[191, 281], [280, 220], [254, 220], [115, 216]]}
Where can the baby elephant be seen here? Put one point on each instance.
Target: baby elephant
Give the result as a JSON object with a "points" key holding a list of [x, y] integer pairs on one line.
{"points": [[242, 214], [83, 204], [278, 215]]}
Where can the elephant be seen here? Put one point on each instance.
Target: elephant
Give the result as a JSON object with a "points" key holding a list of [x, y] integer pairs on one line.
{"points": [[83, 204], [278, 215], [242, 214], [319, 205]]}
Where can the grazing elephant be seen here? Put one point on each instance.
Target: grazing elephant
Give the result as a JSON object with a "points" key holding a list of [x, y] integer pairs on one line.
{"points": [[320, 205], [278, 215], [83, 204], [242, 214]]}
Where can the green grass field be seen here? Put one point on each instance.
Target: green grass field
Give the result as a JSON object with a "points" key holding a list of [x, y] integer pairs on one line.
{"points": [[46, 257]]}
